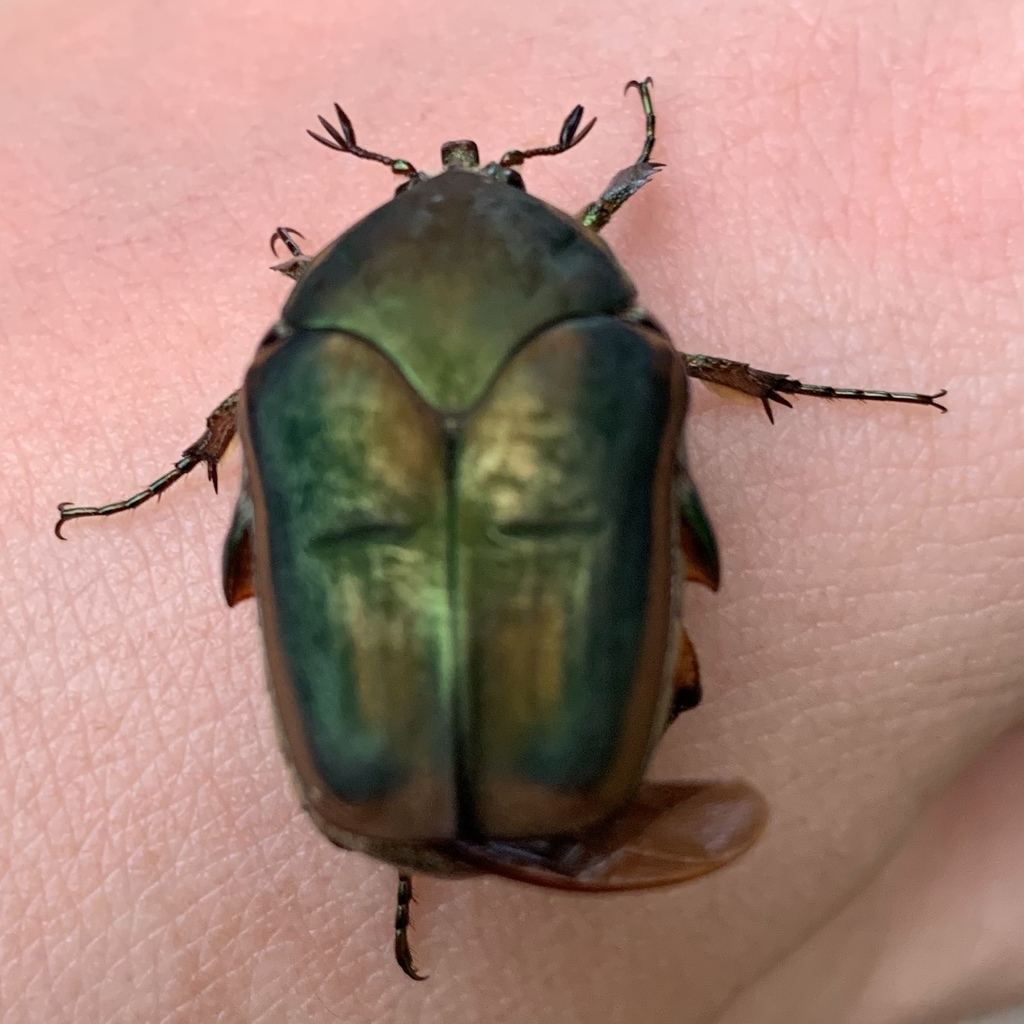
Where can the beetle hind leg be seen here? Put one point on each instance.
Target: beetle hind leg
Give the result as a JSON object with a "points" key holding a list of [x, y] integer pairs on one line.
{"points": [[403, 954], [630, 179], [773, 387], [210, 448]]}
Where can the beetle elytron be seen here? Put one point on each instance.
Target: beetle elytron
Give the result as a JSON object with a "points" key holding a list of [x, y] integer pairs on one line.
{"points": [[467, 520]]}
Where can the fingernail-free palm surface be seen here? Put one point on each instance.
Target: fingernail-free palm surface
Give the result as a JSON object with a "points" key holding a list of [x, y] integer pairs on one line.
{"points": [[841, 202]]}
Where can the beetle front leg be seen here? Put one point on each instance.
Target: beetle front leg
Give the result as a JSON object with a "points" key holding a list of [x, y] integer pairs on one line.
{"points": [[295, 266], [631, 179], [220, 429], [403, 954], [771, 387]]}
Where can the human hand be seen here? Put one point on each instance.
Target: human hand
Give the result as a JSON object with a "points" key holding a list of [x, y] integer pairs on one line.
{"points": [[841, 202]]}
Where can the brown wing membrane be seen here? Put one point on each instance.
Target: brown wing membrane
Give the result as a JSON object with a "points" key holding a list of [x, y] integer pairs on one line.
{"points": [[686, 692], [236, 564], [671, 833], [237, 575], [696, 537]]}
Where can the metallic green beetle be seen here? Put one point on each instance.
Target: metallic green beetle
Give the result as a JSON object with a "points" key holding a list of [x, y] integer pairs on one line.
{"points": [[467, 520]]}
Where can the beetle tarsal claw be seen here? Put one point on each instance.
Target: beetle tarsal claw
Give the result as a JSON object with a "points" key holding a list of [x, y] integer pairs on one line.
{"points": [[59, 525], [283, 234], [773, 396], [633, 83]]}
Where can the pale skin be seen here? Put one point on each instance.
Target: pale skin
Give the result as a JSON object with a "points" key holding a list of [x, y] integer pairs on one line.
{"points": [[842, 202]]}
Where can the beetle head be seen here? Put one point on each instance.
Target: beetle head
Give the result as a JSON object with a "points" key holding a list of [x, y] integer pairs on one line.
{"points": [[464, 154], [461, 153]]}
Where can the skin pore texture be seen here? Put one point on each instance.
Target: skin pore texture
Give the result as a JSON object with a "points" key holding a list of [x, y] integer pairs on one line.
{"points": [[842, 201]]}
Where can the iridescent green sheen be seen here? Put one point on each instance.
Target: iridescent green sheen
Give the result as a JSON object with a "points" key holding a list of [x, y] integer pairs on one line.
{"points": [[461, 464], [462, 604], [453, 274]]}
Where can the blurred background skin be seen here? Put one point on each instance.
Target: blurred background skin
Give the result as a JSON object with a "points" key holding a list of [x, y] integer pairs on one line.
{"points": [[842, 202]]}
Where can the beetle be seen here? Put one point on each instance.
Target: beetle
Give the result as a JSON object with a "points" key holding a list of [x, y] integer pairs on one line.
{"points": [[467, 519]]}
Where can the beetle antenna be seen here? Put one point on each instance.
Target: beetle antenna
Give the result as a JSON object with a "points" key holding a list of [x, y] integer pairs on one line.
{"points": [[344, 141], [567, 138]]}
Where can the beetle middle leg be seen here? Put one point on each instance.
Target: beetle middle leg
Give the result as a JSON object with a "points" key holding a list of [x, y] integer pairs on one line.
{"points": [[630, 179], [772, 387], [210, 448], [403, 954]]}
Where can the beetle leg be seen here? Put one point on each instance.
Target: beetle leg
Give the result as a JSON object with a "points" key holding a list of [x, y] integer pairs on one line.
{"points": [[630, 179], [296, 266], [403, 954], [220, 429], [771, 387]]}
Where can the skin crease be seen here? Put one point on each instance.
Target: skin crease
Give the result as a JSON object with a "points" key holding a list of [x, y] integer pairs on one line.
{"points": [[842, 202]]}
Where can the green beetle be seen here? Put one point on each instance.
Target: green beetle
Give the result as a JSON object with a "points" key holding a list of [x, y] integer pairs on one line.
{"points": [[467, 521]]}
